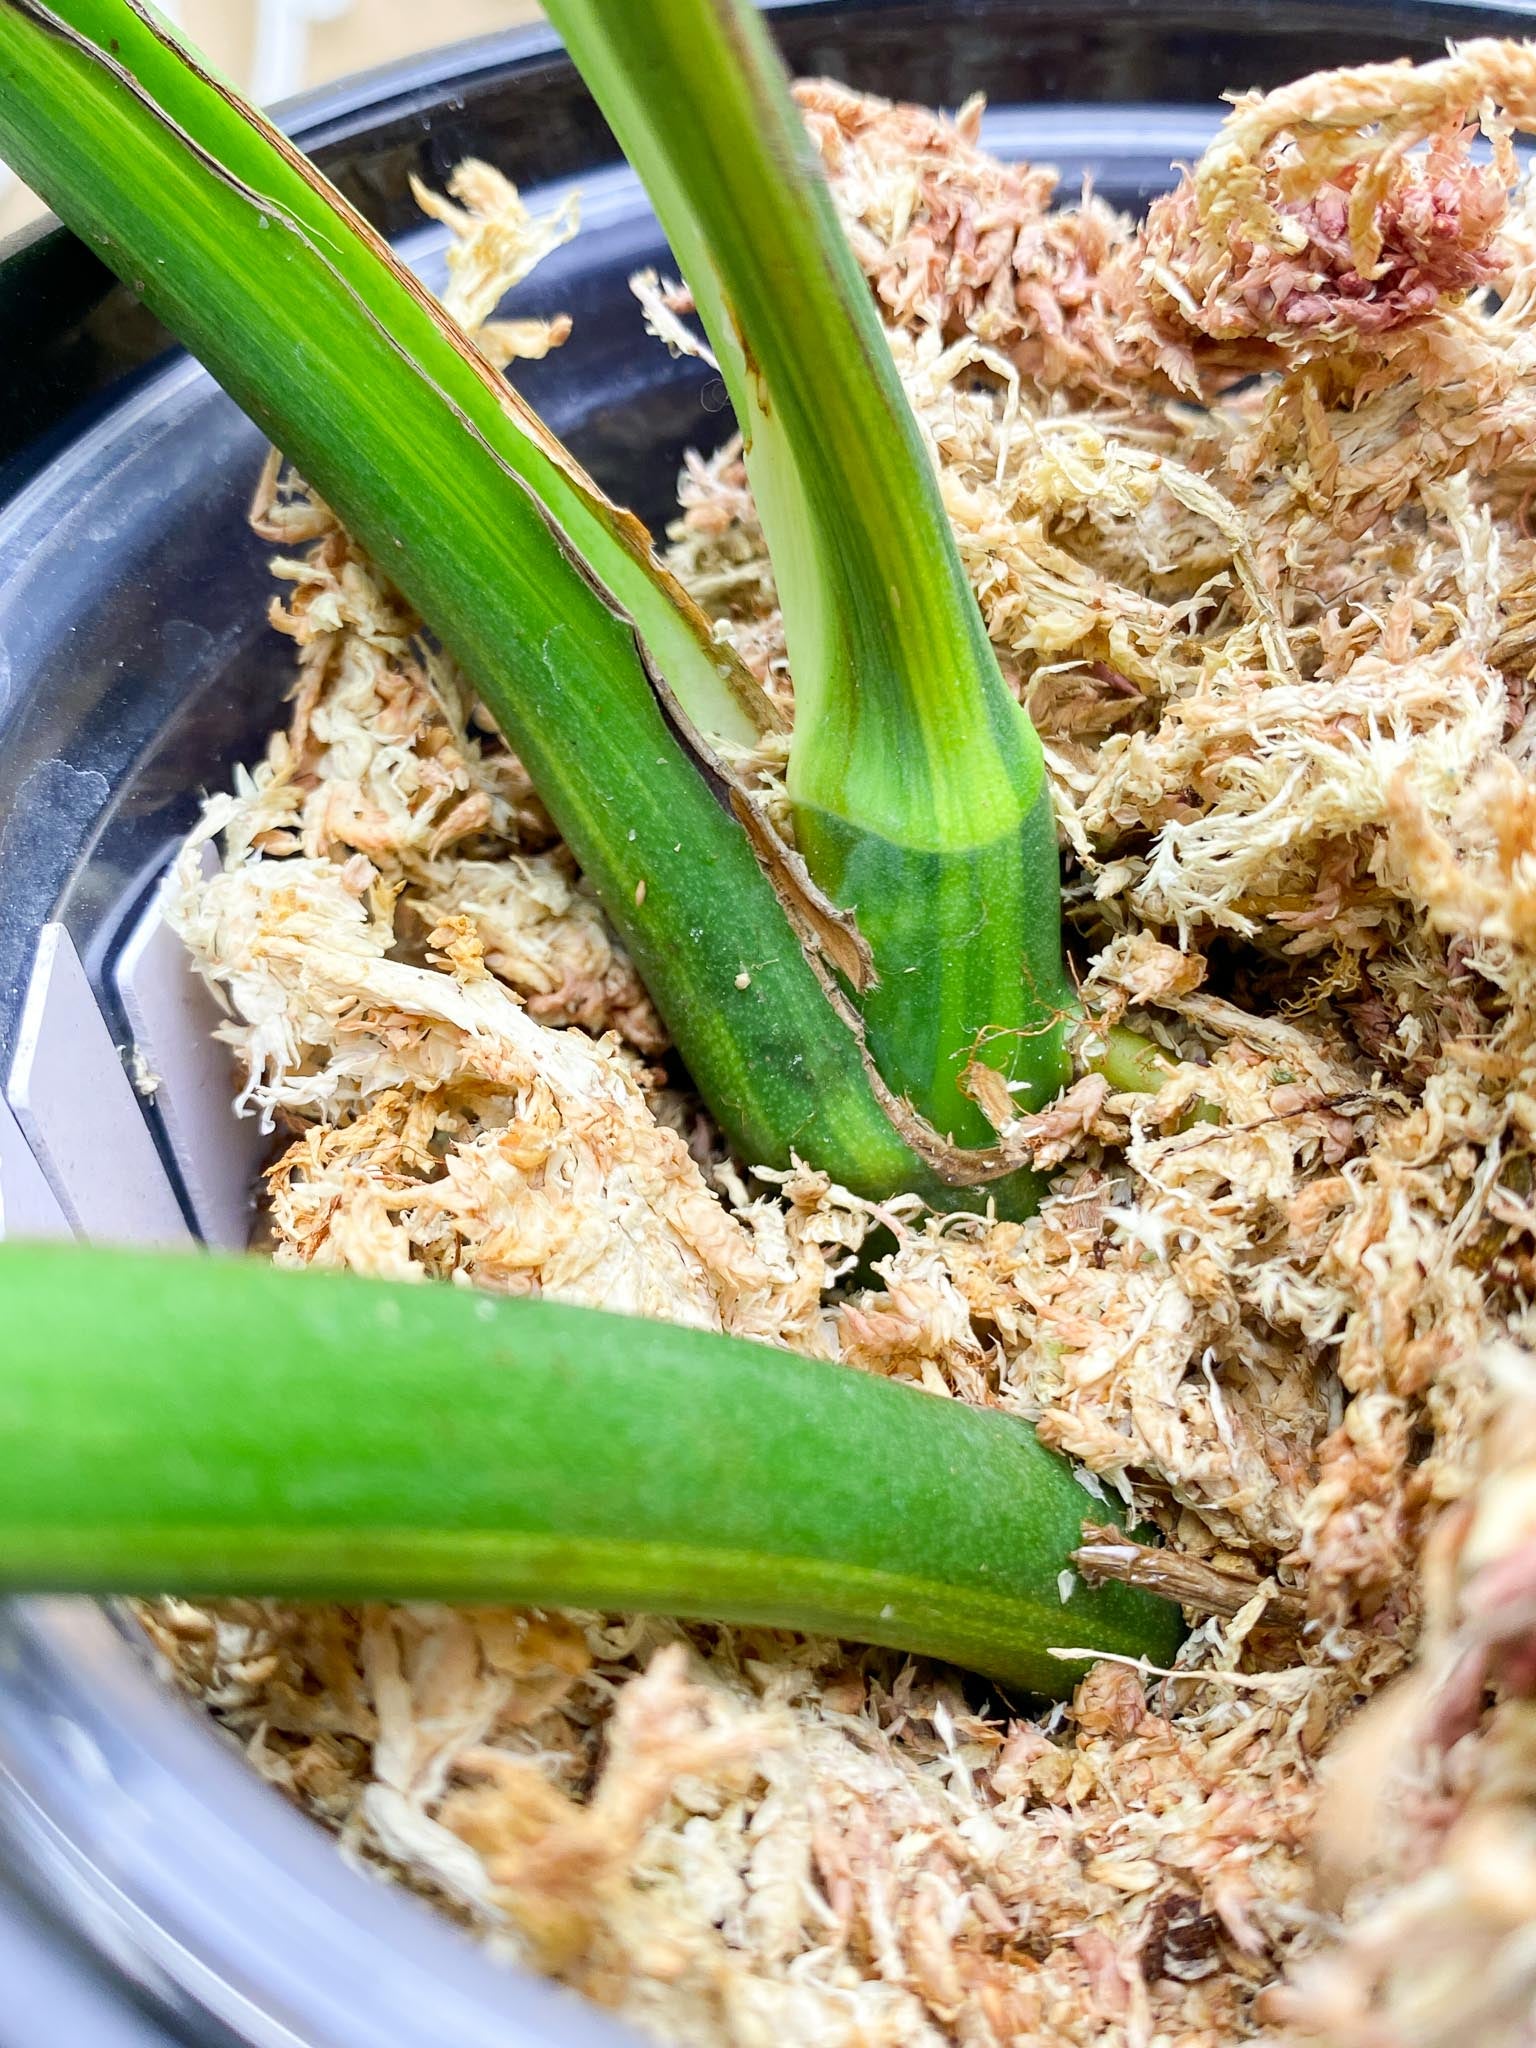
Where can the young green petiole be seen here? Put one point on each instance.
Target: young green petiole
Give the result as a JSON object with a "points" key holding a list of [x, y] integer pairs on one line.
{"points": [[218, 1426]]}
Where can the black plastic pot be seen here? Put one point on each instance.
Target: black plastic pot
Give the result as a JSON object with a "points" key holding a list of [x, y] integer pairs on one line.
{"points": [[135, 670]]}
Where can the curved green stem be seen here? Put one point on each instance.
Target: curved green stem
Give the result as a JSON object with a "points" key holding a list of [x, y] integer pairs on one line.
{"points": [[918, 783], [189, 1424]]}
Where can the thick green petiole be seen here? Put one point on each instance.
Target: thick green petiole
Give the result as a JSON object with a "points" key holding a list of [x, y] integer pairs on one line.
{"points": [[188, 1424], [547, 595], [918, 783]]}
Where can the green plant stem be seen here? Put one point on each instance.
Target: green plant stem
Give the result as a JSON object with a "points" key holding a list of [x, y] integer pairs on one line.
{"points": [[214, 1426], [918, 783], [1132, 1063], [533, 581]]}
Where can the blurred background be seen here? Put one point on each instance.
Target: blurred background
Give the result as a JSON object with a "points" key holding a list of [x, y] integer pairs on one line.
{"points": [[275, 48]]}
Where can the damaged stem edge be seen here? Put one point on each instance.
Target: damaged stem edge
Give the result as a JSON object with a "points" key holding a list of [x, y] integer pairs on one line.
{"points": [[481, 519]]}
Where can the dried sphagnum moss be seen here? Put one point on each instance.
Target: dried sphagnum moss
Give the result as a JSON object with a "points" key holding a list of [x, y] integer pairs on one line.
{"points": [[1279, 637]]}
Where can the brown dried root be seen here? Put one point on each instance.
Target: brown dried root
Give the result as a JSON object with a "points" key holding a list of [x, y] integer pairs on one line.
{"points": [[1108, 1555]]}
